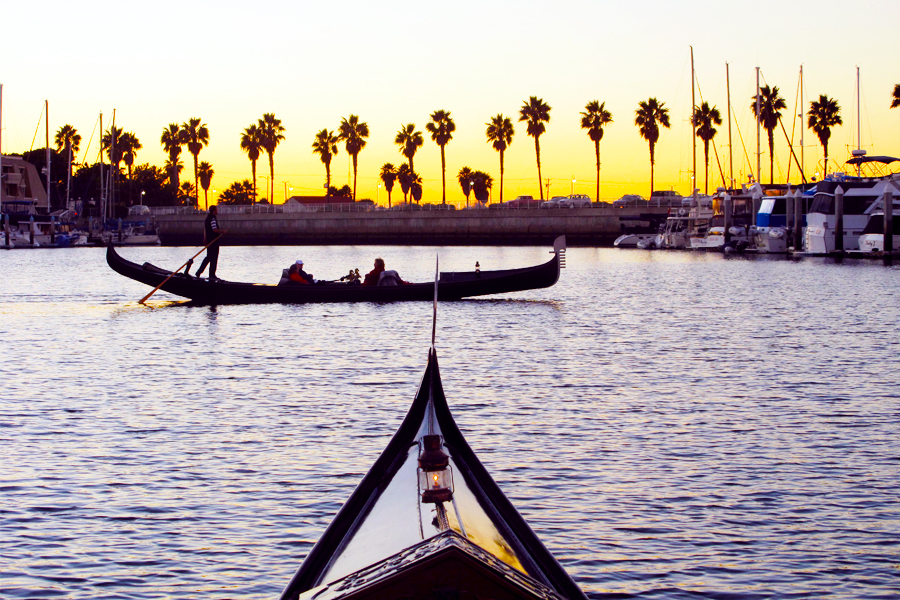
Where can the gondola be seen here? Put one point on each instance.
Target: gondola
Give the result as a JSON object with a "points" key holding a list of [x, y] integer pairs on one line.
{"points": [[451, 285], [428, 522]]}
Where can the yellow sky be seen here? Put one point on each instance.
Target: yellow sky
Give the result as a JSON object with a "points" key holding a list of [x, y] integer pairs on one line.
{"points": [[395, 63]]}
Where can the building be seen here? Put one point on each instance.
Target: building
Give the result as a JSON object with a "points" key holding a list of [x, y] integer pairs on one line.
{"points": [[20, 183]]}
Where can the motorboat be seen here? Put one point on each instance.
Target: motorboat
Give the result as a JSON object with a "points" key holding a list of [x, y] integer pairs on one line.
{"points": [[862, 198]]}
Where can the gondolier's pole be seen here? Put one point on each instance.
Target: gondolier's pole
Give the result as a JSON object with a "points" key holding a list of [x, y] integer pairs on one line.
{"points": [[189, 261]]}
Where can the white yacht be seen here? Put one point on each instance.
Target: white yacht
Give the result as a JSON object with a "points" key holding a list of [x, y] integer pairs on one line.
{"points": [[862, 199]]}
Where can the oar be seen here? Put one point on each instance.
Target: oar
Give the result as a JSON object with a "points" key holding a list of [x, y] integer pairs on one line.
{"points": [[189, 261]]}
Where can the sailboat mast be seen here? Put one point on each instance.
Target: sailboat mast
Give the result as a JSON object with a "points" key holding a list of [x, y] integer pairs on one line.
{"points": [[112, 172], [102, 182], [859, 151], [730, 161], [803, 129], [694, 182], [1, 143], [758, 99], [47, 131]]}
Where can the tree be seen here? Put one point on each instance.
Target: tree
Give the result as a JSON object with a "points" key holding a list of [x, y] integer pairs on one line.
{"points": [[129, 145], [239, 192], [187, 194], [153, 181], [353, 133], [500, 133], [594, 117], [205, 172], [325, 145], [482, 186], [68, 139], [895, 99], [441, 129], [344, 192], [172, 140], [770, 105], [415, 187], [464, 177], [251, 143], [409, 141], [535, 112], [405, 176], [174, 169], [272, 134], [648, 117], [824, 114], [388, 176], [196, 136], [111, 142], [703, 119]]}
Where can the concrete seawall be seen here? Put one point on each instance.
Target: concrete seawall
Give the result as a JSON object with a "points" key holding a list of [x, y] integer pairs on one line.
{"points": [[596, 226]]}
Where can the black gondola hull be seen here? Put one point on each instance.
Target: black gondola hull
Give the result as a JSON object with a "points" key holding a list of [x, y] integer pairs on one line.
{"points": [[451, 286]]}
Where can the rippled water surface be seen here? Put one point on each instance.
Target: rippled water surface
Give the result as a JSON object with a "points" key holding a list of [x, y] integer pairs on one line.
{"points": [[671, 425]]}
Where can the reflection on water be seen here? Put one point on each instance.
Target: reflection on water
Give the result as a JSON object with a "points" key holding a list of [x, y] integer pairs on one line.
{"points": [[670, 424]]}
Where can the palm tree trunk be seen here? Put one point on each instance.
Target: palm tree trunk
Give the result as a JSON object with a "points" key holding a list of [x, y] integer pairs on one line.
{"points": [[196, 182], [651, 169], [69, 178], [443, 178], [501, 176], [271, 178], [389, 198], [206, 198], [705, 167], [253, 171], [597, 153], [771, 156], [327, 175], [354, 177], [537, 153]]}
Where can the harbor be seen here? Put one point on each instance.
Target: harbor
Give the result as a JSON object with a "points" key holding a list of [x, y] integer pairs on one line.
{"points": [[662, 420]]}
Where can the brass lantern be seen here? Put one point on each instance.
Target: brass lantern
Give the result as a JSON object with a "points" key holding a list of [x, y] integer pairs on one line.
{"points": [[435, 474]]}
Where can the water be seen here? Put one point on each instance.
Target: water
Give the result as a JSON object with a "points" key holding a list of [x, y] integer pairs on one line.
{"points": [[672, 425]]}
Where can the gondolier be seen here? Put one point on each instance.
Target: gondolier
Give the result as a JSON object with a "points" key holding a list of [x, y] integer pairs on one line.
{"points": [[211, 232]]}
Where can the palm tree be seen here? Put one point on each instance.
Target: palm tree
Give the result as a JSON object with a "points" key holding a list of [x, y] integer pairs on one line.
{"points": [[824, 114], [112, 143], [441, 129], [353, 134], [129, 145], [325, 145], [482, 186], [174, 169], [172, 140], [770, 103], [594, 117], [196, 136], [388, 176], [405, 176], [205, 172], [500, 133], [409, 141], [703, 119], [415, 187], [69, 139], [464, 177], [895, 100], [251, 143], [649, 116], [535, 112], [187, 194], [272, 134]]}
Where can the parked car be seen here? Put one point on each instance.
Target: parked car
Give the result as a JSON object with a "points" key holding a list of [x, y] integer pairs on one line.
{"points": [[576, 201], [521, 202], [630, 200], [554, 202], [665, 198], [438, 206]]}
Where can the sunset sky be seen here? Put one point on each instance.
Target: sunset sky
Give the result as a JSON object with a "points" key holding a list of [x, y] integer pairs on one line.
{"points": [[394, 63]]}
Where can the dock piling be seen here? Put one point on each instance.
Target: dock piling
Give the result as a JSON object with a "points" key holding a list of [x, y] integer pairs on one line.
{"points": [[888, 220], [839, 218]]}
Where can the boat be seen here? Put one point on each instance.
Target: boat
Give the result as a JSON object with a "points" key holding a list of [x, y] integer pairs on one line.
{"points": [[638, 228], [861, 199], [428, 521], [451, 285]]}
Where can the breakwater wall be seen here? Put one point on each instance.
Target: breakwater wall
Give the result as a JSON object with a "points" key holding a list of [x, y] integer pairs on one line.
{"points": [[595, 226]]}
